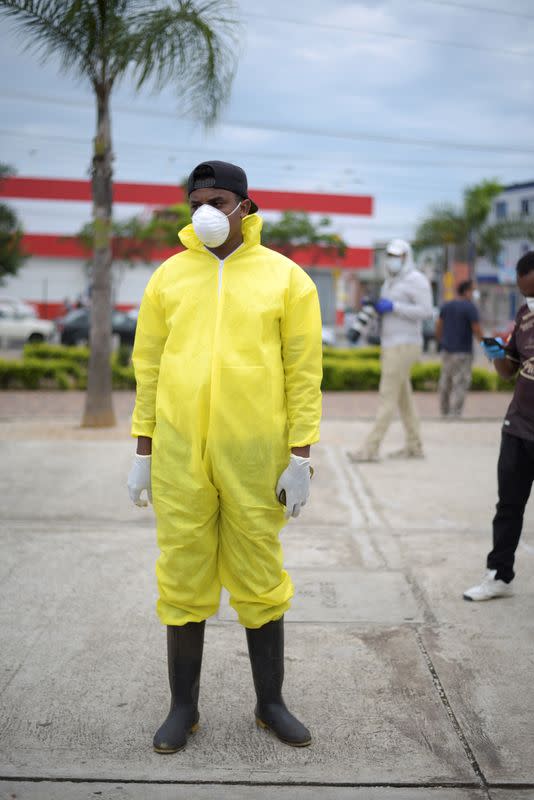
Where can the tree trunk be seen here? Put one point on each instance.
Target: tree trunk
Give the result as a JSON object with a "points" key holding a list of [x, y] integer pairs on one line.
{"points": [[99, 402]]}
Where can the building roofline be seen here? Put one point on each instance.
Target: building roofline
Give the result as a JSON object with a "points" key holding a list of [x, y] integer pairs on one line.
{"points": [[512, 186]]}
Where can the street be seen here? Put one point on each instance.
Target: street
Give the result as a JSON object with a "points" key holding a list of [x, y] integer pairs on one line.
{"points": [[409, 691]]}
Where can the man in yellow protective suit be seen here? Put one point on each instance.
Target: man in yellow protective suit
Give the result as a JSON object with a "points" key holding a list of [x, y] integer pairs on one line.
{"points": [[228, 364]]}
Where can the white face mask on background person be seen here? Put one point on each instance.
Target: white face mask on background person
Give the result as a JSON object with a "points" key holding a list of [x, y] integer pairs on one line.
{"points": [[530, 303], [211, 225], [476, 295], [394, 264]]}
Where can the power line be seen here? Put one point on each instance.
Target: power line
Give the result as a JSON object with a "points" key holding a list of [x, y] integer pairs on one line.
{"points": [[480, 9], [379, 137], [389, 35], [266, 155], [267, 126]]}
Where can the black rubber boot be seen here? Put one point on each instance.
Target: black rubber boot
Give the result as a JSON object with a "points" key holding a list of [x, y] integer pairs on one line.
{"points": [[184, 656], [266, 651]]}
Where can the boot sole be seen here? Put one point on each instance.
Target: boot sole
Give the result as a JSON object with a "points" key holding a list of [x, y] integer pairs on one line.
{"points": [[194, 729], [261, 724]]}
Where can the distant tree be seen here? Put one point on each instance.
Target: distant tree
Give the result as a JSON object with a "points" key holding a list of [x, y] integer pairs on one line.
{"points": [[130, 245], [190, 43], [296, 229], [130, 242], [293, 230], [165, 224], [11, 253], [467, 227]]}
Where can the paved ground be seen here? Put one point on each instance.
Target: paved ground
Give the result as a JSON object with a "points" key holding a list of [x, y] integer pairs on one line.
{"points": [[68, 406], [410, 692]]}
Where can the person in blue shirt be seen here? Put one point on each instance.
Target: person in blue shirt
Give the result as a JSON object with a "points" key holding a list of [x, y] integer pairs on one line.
{"points": [[457, 324]]}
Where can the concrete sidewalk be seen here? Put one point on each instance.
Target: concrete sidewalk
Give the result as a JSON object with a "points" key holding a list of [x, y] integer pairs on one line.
{"points": [[46, 405], [410, 692]]}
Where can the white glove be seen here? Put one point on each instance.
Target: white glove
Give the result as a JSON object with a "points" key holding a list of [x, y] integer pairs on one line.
{"points": [[139, 480], [293, 487]]}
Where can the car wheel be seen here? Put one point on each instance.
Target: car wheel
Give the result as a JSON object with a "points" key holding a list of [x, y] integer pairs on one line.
{"points": [[35, 338]]}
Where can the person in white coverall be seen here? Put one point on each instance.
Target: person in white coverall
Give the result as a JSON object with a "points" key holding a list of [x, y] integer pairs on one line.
{"points": [[405, 301]]}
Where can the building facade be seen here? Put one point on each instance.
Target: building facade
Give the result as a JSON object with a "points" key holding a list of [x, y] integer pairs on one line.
{"points": [[496, 280], [57, 271]]}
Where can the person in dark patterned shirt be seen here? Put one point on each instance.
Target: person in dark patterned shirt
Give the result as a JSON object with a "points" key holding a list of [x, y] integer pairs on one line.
{"points": [[516, 460]]}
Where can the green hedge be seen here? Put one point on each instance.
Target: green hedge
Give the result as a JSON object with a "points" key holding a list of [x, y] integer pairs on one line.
{"points": [[122, 377], [56, 352], [364, 375], [47, 366], [352, 354], [36, 374], [346, 375]]}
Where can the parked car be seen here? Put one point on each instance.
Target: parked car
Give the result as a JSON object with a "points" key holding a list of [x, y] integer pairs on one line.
{"points": [[22, 308], [18, 326], [74, 327]]}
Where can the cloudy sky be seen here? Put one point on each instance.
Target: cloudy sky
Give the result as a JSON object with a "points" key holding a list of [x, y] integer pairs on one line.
{"points": [[408, 102]]}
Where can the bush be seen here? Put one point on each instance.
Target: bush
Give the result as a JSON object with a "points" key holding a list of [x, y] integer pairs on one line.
{"points": [[37, 374], [20, 374], [123, 377], [425, 376], [123, 356], [55, 352], [359, 353], [482, 380], [48, 366], [346, 375], [343, 374], [61, 367]]}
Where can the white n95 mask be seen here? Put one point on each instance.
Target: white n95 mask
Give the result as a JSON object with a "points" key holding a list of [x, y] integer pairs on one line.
{"points": [[211, 225], [530, 303], [394, 264]]}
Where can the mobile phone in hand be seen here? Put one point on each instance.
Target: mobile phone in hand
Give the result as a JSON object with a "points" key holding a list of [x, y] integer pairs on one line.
{"points": [[490, 341]]}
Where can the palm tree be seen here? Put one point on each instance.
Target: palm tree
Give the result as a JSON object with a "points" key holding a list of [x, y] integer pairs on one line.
{"points": [[467, 228], [191, 43]]}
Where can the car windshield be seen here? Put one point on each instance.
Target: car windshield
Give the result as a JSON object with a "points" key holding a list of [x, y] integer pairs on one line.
{"points": [[17, 312], [77, 315]]}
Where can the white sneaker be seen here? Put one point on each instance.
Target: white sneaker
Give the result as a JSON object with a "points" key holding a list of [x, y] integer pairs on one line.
{"points": [[488, 588]]}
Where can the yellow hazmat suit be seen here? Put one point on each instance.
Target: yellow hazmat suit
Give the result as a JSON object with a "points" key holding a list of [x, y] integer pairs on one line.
{"points": [[227, 360]]}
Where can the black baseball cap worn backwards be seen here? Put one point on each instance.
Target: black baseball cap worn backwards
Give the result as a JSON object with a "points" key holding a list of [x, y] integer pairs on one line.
{"points": [[220, 175]]}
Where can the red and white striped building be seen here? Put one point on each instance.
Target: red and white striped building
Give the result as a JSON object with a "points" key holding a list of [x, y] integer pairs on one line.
{"points": [[52, 211]]}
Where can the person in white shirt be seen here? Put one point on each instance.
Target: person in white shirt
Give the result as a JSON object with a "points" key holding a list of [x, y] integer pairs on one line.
{"points": [[405, 301]]}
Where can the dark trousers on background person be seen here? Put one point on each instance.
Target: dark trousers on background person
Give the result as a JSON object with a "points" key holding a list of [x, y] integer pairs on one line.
{"points": [[515, 472]]}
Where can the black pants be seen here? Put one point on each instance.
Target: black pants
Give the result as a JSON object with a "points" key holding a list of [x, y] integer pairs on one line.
{"points": [[515, 472]]}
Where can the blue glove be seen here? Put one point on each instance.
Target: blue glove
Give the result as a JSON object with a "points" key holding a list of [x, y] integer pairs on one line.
{"points": [[493, 351], [383, 306]]}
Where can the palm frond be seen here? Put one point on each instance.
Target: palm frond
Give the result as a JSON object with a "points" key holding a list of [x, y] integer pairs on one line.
{"points": [[53, 27], [515, 228], [478, 200], [193, 45], [444, 225]]}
